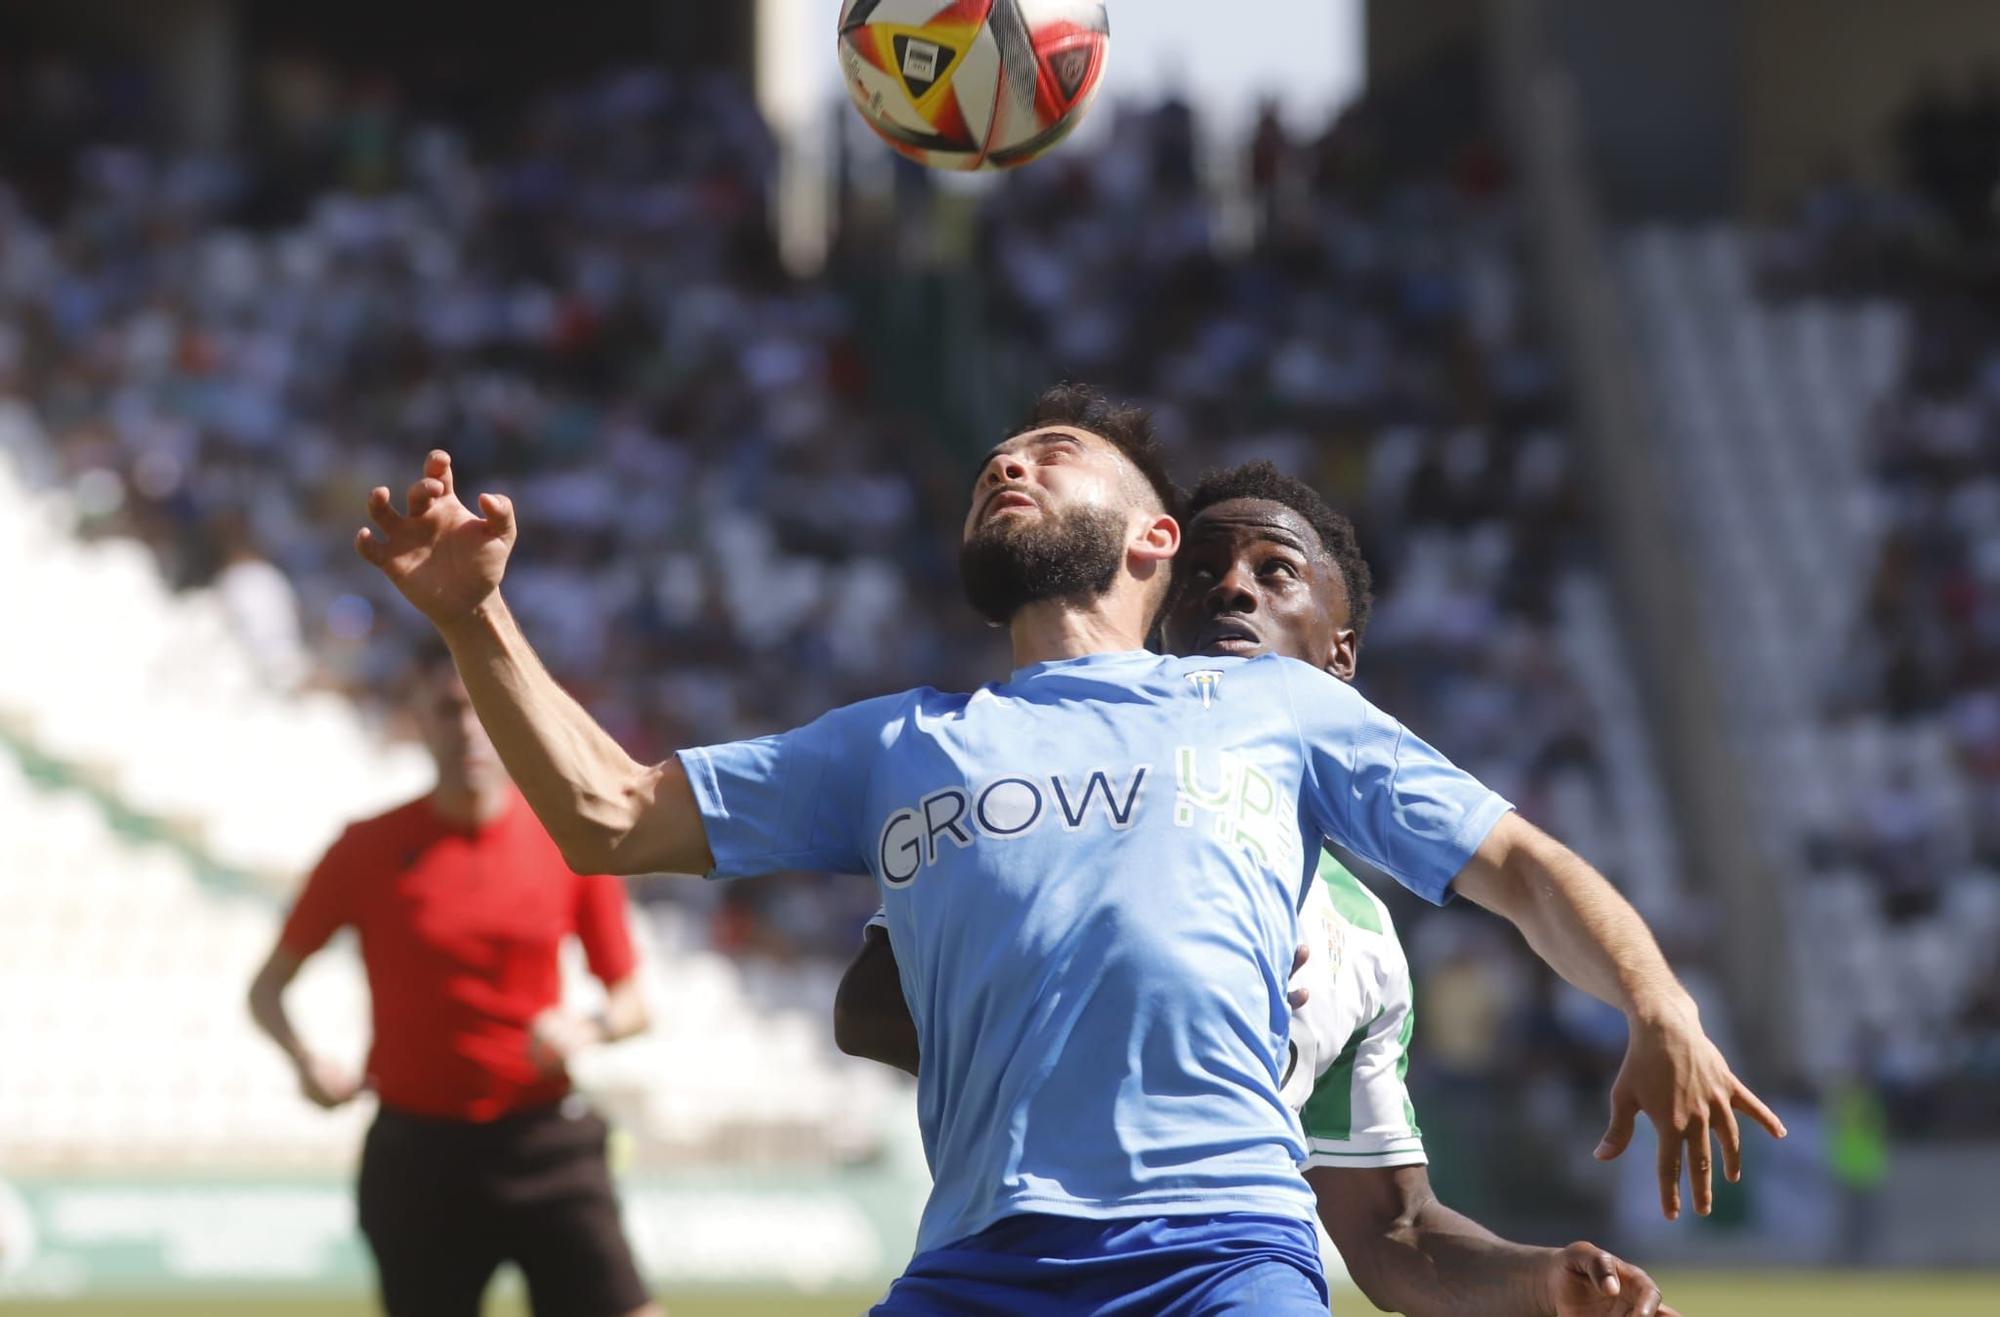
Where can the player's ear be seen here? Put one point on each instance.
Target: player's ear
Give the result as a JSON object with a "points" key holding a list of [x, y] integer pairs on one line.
{"points": [[1158, 540], [1346, 654]]}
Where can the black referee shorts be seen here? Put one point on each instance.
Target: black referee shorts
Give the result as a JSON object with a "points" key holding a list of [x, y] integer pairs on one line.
{"points": [[445, 1202]]}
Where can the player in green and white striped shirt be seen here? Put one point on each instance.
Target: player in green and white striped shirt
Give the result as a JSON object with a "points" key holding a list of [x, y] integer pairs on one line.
{"points": [[1265, 567], [1350, 1045]]}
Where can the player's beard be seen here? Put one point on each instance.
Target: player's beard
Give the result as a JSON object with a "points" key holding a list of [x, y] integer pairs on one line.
{"points": [[1015, 561]]}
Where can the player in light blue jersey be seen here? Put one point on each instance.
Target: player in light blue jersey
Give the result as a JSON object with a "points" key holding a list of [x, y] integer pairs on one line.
{"points": [[1091, 871], [1268, 563]]}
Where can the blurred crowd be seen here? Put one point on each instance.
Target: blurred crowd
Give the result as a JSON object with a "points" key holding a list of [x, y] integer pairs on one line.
{"points": [[1925, 657], [730, 520]]}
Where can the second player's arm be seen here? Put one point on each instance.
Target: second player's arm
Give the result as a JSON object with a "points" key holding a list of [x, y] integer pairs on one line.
{"points": [[1588, 933], [871, 1019], [1411, 1254]]}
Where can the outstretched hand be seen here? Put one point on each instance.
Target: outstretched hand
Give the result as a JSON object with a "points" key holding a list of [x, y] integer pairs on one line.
{"points": [[1589, 1282], [1674, 1074], [443, 557]]}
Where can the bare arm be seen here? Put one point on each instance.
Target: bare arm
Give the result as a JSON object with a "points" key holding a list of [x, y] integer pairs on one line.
{"points": [[323, 1082], [870, 1017], [1409, 1253], [1572, 917], [608, 813], [1589, 934]]}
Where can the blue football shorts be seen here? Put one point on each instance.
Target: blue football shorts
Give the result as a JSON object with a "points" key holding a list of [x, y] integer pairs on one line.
{"points": [[1238, 1264]]}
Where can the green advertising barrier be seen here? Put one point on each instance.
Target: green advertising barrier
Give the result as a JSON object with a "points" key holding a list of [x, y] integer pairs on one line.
{"points": [[767, 1230]]}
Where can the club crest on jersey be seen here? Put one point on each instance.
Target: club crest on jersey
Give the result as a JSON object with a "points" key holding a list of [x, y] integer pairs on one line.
{"points": [[1207, 684], [1336, 947]]}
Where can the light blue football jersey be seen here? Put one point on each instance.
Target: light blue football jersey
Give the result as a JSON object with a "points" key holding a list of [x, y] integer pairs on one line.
{"points": [[1091, 874]]}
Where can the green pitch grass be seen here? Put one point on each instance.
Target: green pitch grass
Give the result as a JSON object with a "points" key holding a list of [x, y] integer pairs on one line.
{"points": [[1709, 1295]]}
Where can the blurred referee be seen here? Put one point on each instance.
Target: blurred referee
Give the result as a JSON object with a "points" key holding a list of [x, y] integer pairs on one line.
{"points": [[480, 1153]]}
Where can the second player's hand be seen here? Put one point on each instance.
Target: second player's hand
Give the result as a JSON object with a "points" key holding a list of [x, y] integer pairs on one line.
{"points": [[1586, 1281], [556, 1035], [1674, 1074], [1299, 993], [444, 559]]}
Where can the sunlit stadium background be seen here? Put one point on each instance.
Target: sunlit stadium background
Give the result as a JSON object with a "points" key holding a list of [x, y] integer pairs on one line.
{"points": [[1654, 348]]}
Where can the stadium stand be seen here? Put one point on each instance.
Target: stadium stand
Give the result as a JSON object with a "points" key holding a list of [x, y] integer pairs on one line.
{"points": [[124, 975], [152, 696], [1829, 387]]}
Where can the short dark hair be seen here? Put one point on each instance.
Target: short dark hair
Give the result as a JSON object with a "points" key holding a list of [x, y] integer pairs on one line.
{"points": [[1262, 480], [1125, 426]]}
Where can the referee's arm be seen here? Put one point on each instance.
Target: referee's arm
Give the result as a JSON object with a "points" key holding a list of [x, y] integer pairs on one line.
{"points": [[324, 1083]]}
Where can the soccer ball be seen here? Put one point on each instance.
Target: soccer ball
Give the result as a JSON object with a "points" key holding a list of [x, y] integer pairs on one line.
{"points": [[975, 84]]}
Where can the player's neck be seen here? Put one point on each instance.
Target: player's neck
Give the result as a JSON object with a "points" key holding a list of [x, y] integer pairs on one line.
{"points": [[469, 806], [1054, 629]]}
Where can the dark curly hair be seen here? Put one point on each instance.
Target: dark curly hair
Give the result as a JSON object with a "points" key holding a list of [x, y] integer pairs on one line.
{"points": [[1126, 426], [1262, 480]]}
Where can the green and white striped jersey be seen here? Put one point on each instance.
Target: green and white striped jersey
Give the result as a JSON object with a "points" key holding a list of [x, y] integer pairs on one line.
{"points": [[1351, 1040]]}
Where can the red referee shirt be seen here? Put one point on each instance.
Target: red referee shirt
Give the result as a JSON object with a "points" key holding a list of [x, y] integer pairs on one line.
{"points": [[459, 930]]}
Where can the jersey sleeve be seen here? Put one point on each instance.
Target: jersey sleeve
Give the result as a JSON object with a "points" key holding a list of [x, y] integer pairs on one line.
{"points": [[603, 926], [880, 919], [793, 800], [1360, 1112], [1375, 787], [325, 904]]}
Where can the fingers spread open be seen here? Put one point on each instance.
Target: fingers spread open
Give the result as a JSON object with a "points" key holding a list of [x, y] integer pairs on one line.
{"points": [[1619, 1133], [1670, 1173], [382, 510], [1731, 1137], [498, 510], [371, 547], [1700, 1160], [424, 493], [1752, 1106], [437, 466]]}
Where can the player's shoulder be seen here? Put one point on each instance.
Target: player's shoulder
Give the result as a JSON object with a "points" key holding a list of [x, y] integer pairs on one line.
{"points": [[882, 717]]}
